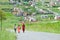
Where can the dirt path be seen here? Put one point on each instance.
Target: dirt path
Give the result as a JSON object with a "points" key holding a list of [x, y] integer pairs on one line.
{"points": [[37, 36]]}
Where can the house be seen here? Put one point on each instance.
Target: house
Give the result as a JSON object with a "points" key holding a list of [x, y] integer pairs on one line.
{"points": [[11, 1], [44, 16], [59, 8], [29, 18], [18, 12], [57, 17]]}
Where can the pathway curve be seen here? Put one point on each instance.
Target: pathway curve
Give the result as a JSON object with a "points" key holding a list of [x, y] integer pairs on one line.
{"points": [[37, 36]]}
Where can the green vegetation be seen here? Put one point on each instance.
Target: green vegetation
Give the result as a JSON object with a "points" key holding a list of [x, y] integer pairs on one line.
{"points": [[44, 26], [10, 21], [5, 35]]}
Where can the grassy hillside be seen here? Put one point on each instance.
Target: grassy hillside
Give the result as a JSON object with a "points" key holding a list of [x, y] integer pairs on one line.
{"points": [[4, 0], [44, 26]]}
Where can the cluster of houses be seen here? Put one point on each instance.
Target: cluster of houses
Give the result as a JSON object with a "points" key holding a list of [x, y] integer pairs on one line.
{"points": [[49, 2], [19, 12], [14, 1], [55, 3]]}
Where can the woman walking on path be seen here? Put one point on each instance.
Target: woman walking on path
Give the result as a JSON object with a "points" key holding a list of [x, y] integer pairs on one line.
{"points": [[15, 28], [23, 27], [18, 28]]}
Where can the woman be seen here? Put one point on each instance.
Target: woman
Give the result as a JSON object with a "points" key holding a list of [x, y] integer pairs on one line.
{"points": [[18, 28], [23, 27]]}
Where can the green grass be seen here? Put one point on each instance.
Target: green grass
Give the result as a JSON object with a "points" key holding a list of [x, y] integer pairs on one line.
{"points": [[5, 35], [10, 21], [44, 27]]}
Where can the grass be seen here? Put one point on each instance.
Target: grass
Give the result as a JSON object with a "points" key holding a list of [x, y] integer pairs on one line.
{"points": [[5, 35], [44, 27], [10, 21]]}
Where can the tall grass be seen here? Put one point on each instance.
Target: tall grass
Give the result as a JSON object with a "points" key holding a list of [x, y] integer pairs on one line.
{"points": [[10, 21], [5, 35], [44, 27]]}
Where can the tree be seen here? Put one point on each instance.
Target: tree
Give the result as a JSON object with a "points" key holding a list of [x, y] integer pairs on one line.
{"points": [[2, 15]]}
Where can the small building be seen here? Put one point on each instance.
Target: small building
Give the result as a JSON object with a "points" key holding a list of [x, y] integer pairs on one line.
{"points": [[44, 16], [59, 8], [30, 19], [57, 17]]}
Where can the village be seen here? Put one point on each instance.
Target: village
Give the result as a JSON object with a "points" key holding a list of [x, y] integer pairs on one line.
{"points": [[44, 13]]}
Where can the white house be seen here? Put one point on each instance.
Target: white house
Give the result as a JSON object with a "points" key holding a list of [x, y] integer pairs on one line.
{"points": [[30, 19], [57, 17]]}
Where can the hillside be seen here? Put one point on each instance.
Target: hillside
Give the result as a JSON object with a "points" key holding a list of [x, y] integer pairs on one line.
{"points": [[4, 0]]}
